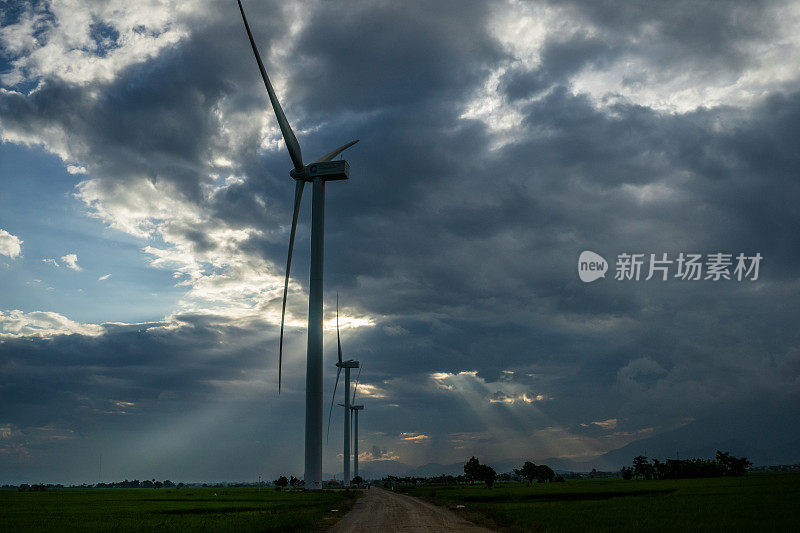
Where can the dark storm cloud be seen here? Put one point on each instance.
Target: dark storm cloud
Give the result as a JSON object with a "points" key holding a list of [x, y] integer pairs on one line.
{"points": [[123, 363], [504, 265], [379, 55], [464, 254], [706, 32], [559, 61]]}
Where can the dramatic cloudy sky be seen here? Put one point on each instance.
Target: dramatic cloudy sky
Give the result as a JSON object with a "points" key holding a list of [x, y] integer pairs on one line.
{"points": [[145, 203]]}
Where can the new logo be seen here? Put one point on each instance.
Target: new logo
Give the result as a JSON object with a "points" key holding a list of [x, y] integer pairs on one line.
{"points": [[591, 266]]}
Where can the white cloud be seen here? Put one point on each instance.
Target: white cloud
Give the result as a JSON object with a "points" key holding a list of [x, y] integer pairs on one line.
{"points": [[103, 278], [59, 42], [74, 169], [71, 260], [50, 261], [10, 245], [365, 390], [42, 324], [223, 274]]}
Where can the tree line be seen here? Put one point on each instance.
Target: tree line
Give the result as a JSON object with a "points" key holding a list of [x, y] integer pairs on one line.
{"points": [[475, 471], [283, 481], [136, 484], [724, 464]]}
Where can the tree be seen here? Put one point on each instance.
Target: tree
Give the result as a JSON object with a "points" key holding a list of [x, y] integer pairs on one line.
{"points": [[475, 471], [357, 480], [487, 474], [472, 469], [531, 471], [527, 472], [626, 472], [641, 467], [544, 473], [734, 466], [281, 482], [294, 482]]}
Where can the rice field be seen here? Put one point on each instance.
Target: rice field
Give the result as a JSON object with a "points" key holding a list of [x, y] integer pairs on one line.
{"points": [[768, 501], [187, 509]]}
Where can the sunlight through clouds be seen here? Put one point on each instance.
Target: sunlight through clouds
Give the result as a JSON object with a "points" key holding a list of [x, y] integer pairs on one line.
{"points": [[43, 324], [414, 437]]}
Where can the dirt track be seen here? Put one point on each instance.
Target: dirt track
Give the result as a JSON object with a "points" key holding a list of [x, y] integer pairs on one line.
{"points": [[385, 511]]}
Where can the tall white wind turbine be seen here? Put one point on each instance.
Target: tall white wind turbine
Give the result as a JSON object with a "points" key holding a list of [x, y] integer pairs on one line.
{"points": [[317, 172]]}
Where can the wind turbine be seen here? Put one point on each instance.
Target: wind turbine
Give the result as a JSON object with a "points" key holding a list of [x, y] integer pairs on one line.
{"points": [[355, 409], [347, 365], [317, 172]]}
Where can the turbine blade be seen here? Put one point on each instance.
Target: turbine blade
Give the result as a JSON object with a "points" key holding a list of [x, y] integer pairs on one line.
{"points": [[286, 130], [333, 399], [356, 387], [298, 195], [338, 340], [331, 155]]}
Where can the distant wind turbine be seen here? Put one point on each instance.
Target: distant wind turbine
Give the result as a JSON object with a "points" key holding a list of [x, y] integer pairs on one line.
{"points": [[317, 172], [355, 409], [347, 365]]}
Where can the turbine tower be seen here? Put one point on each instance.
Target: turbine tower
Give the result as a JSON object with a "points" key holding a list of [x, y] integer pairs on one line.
{"points": [[347, 365], [317, 172], [355, 409]]}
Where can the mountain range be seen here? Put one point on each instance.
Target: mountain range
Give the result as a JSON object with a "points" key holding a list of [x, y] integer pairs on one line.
{"points": [[753, 436]]}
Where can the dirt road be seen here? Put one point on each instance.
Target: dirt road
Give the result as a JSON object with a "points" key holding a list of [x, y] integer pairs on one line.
{"points": [[386, 511]]}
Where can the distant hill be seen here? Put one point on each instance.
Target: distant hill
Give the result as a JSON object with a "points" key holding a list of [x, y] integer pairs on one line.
{"points": [[765, 438], [382, 468]]}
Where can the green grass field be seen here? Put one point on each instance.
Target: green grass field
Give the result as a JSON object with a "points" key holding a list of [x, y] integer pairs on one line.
{"points": [[187, 509], [756, 502]]}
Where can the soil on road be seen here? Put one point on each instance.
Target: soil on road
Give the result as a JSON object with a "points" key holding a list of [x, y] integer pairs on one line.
{"points": [[386, 511]]}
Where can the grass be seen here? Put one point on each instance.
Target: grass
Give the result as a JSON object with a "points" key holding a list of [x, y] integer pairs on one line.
{"points": [[767, 501], [188, 509]]}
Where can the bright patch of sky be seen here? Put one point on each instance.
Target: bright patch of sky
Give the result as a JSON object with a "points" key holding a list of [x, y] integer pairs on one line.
{"points": [[37, 205]]}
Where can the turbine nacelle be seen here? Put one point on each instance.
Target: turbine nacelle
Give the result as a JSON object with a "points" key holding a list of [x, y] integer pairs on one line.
{"points": [[356, 407], [327, 170], [347, 364]]}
